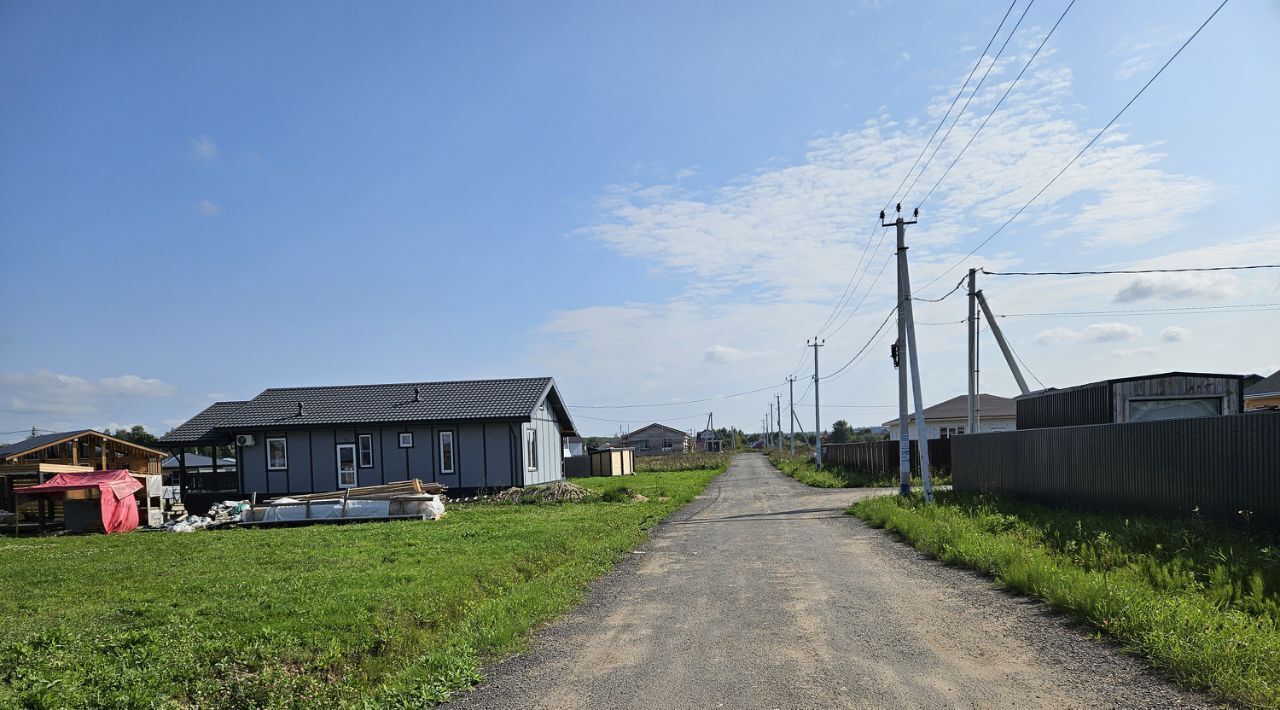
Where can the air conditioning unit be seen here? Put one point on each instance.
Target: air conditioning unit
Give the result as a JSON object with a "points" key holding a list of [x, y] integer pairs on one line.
{"points": [[244, 439]]}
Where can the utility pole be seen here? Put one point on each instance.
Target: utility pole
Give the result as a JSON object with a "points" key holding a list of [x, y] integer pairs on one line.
{"points": [[777, 413], [769, 424], [817, 411], [907, 333], [971, 424], [1004, 346], [791, 402]]}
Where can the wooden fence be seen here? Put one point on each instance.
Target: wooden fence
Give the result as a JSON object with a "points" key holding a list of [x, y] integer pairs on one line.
{"points": [[1218, 466], [882, 456]]}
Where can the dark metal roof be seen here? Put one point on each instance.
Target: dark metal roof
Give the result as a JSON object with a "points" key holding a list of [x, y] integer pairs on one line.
{"points": [[1156, 376], [1268, 385], [958, 408], [37, 442], [673, 430], [377, 404], [200, 430]]}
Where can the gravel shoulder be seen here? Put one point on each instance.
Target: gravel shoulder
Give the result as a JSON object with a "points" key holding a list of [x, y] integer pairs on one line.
{"points": [[763, 594]]}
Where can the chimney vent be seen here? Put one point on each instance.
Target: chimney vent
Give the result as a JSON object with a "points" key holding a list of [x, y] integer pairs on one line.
{"points": [[299, 408], [417, 394]]}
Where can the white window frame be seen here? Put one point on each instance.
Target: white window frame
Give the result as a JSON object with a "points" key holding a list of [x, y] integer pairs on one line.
{"points": [[453, 452], [355, 465], [947, 432], [401, 440], [283, 440], [531, 448], [361, 450]]}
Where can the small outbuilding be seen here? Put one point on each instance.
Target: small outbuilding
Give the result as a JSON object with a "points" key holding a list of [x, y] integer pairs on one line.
{"points": [[1167, 395], [99, 501]]}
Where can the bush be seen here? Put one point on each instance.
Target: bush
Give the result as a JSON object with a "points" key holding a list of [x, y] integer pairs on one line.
{"points": [[833, 476]]}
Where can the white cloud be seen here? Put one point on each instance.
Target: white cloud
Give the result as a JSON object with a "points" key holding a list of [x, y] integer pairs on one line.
{"points": [[202, 146], [53, 398], [207, 208], [1135, 352], [1095, 333], [1176, 287], [723, 354], [1175, 334], [906, 57]]}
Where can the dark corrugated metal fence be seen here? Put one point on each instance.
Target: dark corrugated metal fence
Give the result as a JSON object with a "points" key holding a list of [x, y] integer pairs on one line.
{"points": [[882, 456], [1216, 465]]}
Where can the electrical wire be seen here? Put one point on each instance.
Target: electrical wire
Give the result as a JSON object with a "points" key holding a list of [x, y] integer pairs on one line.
{"points": [[977, 88], [995, 108], [1226, 308], [944, 297], [865, 346], [1086, 147], [628, 421], [865, 355], [1024, 365], [1129, 271], [866, 293]]}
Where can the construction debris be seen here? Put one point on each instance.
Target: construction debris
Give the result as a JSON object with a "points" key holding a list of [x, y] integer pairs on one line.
{"points": [[221, 514], [558, 492], [382, 492]]}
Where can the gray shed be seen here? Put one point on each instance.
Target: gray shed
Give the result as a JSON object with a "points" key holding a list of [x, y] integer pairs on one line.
{"points": [[1168, 395]]}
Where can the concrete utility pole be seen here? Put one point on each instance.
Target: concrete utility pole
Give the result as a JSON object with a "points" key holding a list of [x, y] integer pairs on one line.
{"points": [[817, 411], [1004, 346], [769, 419], [777, 413], [791, 402], [907, 328], [971, 424]]}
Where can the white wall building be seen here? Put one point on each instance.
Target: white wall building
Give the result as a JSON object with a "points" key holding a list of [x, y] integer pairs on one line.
{"points": [[951, 417]]}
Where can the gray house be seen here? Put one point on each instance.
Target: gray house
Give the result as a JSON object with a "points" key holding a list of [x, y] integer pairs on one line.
{"points": [[466, 435]]}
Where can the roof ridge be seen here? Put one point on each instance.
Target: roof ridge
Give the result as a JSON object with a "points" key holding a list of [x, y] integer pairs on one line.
{"points": [[407, 384]]}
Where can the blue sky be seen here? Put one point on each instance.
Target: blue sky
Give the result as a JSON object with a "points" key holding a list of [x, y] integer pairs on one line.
{"points": [[651, 202]]}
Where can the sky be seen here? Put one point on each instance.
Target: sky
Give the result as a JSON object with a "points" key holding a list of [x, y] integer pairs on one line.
{"points": [[652, 202]]}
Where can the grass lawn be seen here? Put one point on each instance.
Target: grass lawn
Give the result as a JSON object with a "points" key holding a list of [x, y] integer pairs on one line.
{"points": [[803, 470], [369, 615], [1200, 600]]}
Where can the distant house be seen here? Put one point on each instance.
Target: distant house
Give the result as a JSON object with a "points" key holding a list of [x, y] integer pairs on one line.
{"points": [[1166, 395], [81, 449], [709, 441], [466, 435], [658, 439], [1264, 394], [950, 418]]}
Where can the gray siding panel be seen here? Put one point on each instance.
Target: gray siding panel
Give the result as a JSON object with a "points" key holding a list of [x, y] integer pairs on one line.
{"points": [[421, 458], [324, 460], [497, 442], [299, 478], [393, 457], [254, 463], [470, 452]]}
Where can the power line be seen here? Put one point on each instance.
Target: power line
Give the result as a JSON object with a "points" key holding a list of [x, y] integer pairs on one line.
{"points": [[1085, 148], [1024, 364], [866, 293], [864, 264], [1129, 271], [943, 298], [977, 88], [865, 346], [671, 404], [1227, 308], [628, 421], [874, 344]]}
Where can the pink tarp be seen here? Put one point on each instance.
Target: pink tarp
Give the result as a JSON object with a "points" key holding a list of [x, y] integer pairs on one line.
{"points": [[119, 510]]}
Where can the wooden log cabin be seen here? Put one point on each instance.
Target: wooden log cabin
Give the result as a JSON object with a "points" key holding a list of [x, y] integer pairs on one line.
{"points": [[30, 462]]}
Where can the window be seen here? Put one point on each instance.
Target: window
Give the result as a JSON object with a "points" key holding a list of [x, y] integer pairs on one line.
{"points": [[667, 444], [947, 432], [642, 445], [366, 450], [406, 440], [1146, 410], [446, 452], [531, 448], [277, 454], [346, 465]]}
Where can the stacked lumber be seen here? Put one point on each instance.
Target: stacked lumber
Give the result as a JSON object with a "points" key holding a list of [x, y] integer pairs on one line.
{"points": [[382, 492]]}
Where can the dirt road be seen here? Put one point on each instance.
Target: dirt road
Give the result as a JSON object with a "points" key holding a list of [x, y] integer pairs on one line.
{"points": [[762, 594]]}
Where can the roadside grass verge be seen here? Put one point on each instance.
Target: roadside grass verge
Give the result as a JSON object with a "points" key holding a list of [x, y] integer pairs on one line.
{"points": [[1200, 600], [689, 461], [803, 470], [373, 615]]}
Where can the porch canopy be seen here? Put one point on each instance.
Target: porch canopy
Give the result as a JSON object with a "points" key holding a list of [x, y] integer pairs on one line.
{"points": [[119, 511]]}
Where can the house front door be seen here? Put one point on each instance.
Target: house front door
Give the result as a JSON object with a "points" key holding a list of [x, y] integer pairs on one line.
{"points": [[346, 465]]}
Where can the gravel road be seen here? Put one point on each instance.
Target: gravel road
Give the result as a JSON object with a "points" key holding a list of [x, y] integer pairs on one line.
{"points": [[762, 594]]}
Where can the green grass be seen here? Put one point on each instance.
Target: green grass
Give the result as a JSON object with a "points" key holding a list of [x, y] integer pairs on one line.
{"points": [[802, 469], [690, 461], [1200, 600], [371, 615]]}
